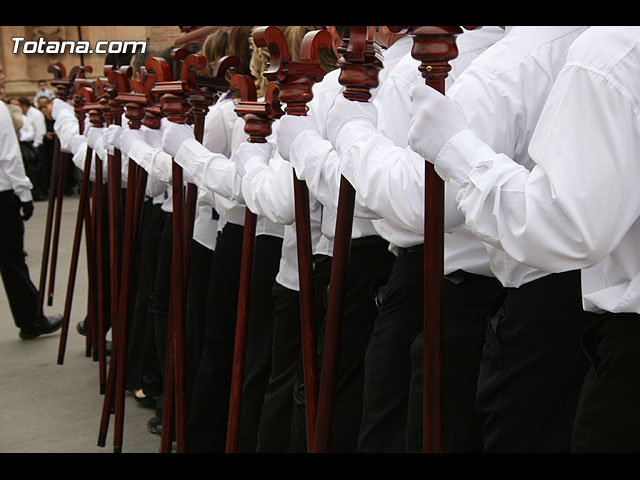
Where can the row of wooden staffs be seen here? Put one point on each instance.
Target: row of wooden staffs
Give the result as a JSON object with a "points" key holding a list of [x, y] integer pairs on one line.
{"points": [[144, 98]]}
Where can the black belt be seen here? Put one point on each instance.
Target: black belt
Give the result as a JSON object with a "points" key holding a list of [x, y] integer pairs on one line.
{"points": [[405, 251]]}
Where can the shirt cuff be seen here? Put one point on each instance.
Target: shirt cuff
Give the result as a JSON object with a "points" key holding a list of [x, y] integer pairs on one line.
{"points": [[351, 133], [460, 156], [25, 195], [309, 145], [189, 157]]}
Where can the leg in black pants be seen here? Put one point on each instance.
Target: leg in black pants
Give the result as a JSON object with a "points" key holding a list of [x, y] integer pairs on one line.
{"points": [[196, 312], [159, 312], [274, 428], [257, 366], [21, 292], [208, 412], [533, 366], [608, 418], [321, 275], [387, 361], [369, 259], [468, 301], [147, 258]]}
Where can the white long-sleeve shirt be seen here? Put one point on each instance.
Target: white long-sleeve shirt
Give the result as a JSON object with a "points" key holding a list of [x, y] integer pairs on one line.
{"points": [[390, 177], [212, 167], [502, 94], [12, 173], [491, 89], [578, 207], [27, 132], [267, 189], [36, 117]]}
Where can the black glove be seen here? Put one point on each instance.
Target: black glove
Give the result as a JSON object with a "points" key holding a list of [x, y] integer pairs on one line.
{"points": [[27, 210]]}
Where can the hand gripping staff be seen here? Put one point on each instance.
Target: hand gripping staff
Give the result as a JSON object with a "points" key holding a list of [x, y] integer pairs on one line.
{"points": [[435, 47], [360, 65], [202, 93], [176, 108], [295, 80], [258, 117]]}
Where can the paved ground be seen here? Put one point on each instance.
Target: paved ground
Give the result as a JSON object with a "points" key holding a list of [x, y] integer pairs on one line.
{"points": [[51, 408]]}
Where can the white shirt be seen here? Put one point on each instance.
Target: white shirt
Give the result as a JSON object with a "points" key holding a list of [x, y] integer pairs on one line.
{"points": [[389, 176], [36, 117], [27, 132], [211, 168], [267, 189], [46, 93], [502, 94], [12, 173], [578, 207]]}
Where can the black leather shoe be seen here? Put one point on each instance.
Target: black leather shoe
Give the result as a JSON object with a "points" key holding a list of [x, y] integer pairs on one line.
{"points": [[46, 325], [154, 425], [81, 328]]}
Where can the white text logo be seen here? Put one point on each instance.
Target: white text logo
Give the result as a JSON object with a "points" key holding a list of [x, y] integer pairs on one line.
{"points": [[68, 46]]}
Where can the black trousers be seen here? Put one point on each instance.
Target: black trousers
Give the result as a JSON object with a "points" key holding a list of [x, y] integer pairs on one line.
{"points": [[387, 363], [369, 265], [196, 312], [153, 381], [21, 292], [468, 300], [607, 418], [209, 409], [274, 428], [139, 338], [298, 427], [533, 367], [259, 340]]}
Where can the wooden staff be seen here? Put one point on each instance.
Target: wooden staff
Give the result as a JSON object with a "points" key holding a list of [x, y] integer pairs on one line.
{"points": [[203, 92], [118, 81], [82, 96], [435, 47], [63, 89], [96, 113], [133, 102], [258, 117], [62, 169], [177, 109], [360, 65], [118, 354], [295, 80]]}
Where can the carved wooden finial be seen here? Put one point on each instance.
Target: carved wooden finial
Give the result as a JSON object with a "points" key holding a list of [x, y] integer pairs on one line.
{"points": [[360, 64], [258, 116], [434, 47], [295, 79]]}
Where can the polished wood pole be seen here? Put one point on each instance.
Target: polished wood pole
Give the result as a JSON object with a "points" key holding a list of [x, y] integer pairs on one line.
{"points": [[360, 64]]}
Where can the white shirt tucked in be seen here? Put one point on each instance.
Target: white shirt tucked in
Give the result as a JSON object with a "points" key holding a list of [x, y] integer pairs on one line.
{"points": [[579, 205]]}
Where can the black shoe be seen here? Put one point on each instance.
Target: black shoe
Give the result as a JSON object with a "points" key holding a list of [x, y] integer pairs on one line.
{"points": [[46, 325], [154, 425], [81, 328]]}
